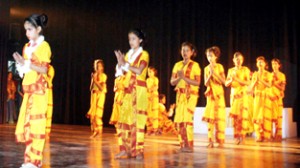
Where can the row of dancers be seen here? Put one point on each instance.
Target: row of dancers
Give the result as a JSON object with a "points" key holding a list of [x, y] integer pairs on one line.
{"points": [[133, 102], [255, 99]]}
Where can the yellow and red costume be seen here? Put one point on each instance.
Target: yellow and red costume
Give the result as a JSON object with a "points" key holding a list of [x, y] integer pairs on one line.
{"points": [[215, 113], [95, 112], [239, 101], [118, 98], [133, 112], [165, 124], [250, 99], [186, 101], [152, 122], [50, 75], [31, 126], [262, 113], [277, 105]]}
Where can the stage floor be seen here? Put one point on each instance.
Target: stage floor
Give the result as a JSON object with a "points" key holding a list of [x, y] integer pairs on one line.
{"points": [[71, 147]]}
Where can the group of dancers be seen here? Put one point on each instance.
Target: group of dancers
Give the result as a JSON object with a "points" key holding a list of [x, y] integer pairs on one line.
{"points": [[256, 98]]}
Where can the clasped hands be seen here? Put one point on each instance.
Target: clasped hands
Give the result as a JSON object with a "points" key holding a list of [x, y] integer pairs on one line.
{"points": [[18, 58], [23, 66], [120, 57], [121, 60]]}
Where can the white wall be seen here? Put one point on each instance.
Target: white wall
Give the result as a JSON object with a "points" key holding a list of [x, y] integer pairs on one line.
{"points": [[289, 128]]}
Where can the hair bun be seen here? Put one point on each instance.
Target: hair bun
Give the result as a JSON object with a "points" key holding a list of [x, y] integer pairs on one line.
{"points": [[143, 33], [44, 20]]}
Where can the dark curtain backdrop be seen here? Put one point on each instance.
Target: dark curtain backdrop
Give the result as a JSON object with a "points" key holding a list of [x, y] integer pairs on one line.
{"points": [[4, 22], [82, 31]]}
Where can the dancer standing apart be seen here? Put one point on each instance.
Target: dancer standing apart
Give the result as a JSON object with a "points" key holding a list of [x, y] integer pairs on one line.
{"points": [[98, 92], [214, 113], [238, 79], [152, 87], [278, 87], [262, 114], [186, 77], [31, 126], [133, 112]]}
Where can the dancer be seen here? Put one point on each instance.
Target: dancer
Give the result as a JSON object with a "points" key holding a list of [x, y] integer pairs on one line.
{"points": [[152, 87], [238, 79], [214, 113], [262, 115], [186, 77], [118, 98], [165, 125], [98, 92], [278, 87], [250, 97], [31, 126], [133, 112]]}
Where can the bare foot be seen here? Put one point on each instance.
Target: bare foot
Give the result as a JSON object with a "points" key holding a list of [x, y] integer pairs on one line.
{"points": [[94, 135], [259, 140], [187, 150], [210, 145], [221, 145], [121, 154], [237, 141], [139, 156]]}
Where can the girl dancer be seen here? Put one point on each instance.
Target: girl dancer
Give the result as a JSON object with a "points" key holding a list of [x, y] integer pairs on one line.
{"points": [[152, 86], [238, 79], [262, 115], [214, 113], [31, 126], [278, 87], [98, 91], [133, 112], [119, 94], [186, 77]]}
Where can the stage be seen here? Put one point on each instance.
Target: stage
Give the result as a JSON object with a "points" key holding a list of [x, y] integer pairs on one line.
{"points": [[71, 147]]}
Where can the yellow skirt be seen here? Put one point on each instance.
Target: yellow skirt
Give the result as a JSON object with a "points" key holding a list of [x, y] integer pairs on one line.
{"points": [[31, 126]]}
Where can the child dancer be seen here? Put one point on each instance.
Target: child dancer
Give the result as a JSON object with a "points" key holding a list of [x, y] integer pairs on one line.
{"points": [[278, 87], [165, 124], [214, 113], [186, 78], [238, 79], [119, 94], [31, 126], [262, 115], [133, 112], [98, 91], [250, 100], [152, 87]]}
